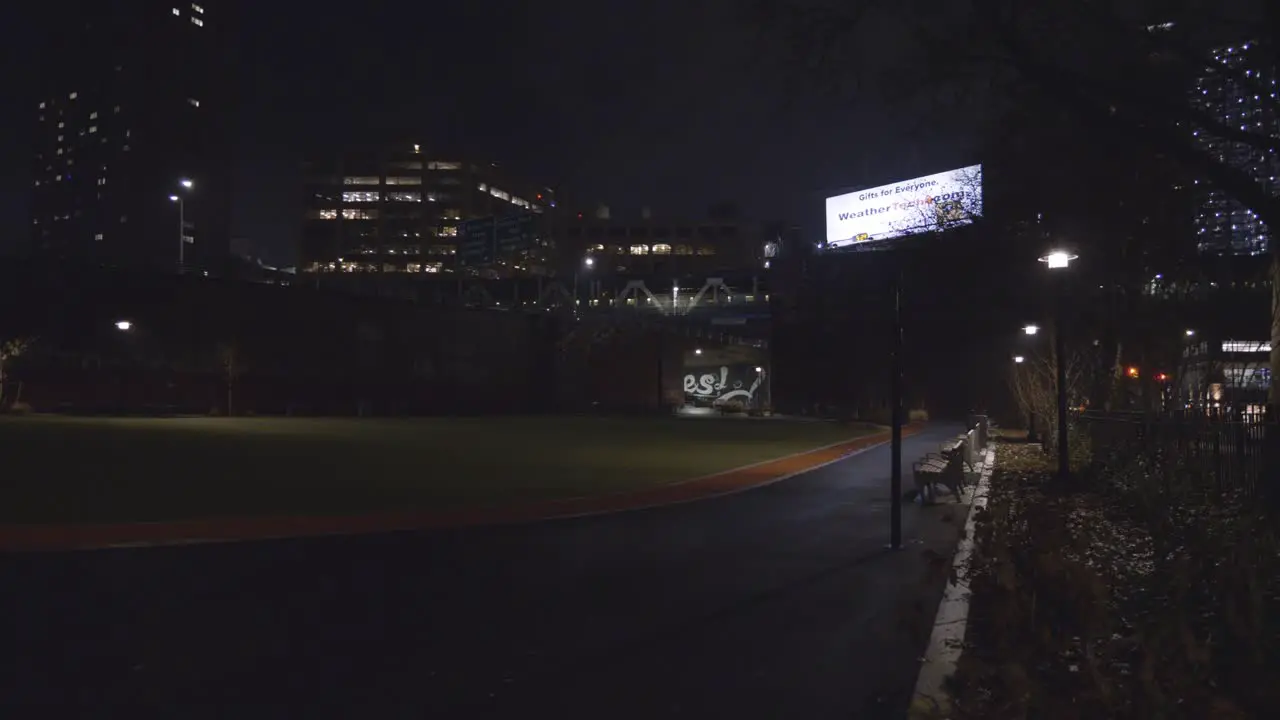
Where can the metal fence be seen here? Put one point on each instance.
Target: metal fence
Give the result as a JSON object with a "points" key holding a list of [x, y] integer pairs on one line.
{"points": [[1226, 450]]}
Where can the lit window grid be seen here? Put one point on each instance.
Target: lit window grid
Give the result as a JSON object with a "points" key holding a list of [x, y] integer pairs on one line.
{"points": [[1223, 225]]}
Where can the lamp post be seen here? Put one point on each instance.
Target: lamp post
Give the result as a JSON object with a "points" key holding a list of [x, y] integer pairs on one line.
{"points": [[587, 263], [765, 395], [1060, 260], [182, 223]]}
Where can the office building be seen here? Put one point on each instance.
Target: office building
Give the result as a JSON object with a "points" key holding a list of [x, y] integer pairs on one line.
{"points": [[1223, 224], [645, 246], [397, 208], [134, 100]]}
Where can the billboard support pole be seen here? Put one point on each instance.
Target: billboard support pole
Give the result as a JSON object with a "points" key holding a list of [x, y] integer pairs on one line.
{"points": [[895, 392]]}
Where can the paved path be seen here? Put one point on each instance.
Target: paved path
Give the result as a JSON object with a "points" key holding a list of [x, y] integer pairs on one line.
{"points": [[777, 602]]}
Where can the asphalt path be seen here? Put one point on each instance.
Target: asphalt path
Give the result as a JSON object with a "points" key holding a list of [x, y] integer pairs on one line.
{"points": [[775, 602]]}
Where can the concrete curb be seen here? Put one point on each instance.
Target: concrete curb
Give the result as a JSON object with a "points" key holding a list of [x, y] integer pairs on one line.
{"points": [[931, 699]]}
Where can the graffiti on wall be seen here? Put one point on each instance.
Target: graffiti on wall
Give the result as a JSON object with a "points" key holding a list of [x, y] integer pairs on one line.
{"points": [[722, 387]]}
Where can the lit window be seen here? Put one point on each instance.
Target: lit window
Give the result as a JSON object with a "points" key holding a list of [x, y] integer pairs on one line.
{"points": [[197, 8], [124, 218], [355, 214], [362, 180], [662, 249], [57, 178], [449, 231], [500, 194], [93, 115], [404, 180], [59, 138], [326, 214], [177, 12], [482, 187], [405, 196], [197, 21], [193, 102], [93, 128], [102, 181], [41, 106], [59, 151], [1245, 346], [97, 236], [74, 95], [639, 249], [359, 196], [417, 148], [117, 109], [62, 124], [443, 165]]}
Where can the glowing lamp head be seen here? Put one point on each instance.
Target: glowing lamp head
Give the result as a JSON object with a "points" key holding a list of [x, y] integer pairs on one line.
{"points": [[1057, 259], [697, 351], [124, 325], [1019, 359], [186, 183], [589, 262], [173, 198], [1031, 329], [1133, 371]]}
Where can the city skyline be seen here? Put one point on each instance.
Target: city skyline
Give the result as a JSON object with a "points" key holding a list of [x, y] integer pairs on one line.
{"points": [[583, 102]]}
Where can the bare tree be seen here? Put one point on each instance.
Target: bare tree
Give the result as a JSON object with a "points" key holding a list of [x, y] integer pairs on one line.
{"points": [[1034, 385], [10, 350]]}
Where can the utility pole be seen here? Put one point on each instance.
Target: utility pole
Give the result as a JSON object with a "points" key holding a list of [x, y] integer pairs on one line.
{"points": [[895, 391]]}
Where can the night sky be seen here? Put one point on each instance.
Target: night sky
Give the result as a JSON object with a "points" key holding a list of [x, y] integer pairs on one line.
{"points": [[665, 103]]}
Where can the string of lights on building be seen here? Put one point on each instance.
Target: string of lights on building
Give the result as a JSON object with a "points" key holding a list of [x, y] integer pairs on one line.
{"points": [[1243, 96]]}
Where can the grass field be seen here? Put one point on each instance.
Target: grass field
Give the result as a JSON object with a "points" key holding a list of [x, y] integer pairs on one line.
{"points": [[59, 469]]}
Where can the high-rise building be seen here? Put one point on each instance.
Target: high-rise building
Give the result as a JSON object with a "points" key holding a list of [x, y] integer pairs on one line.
{"points": [[397, 208], [131, 153], [1223, 224]]}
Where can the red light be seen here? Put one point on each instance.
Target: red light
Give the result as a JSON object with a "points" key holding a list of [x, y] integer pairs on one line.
{"points": [[539, 196], [579, 216]]}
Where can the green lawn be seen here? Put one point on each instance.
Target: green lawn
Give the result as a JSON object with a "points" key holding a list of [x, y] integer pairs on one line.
{"points": [[56, 469]]}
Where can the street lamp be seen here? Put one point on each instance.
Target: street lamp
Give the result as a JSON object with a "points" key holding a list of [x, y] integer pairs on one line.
{"points": [[697, 351], [588, 262], [1019, 359], [1031, 329], [1060, 260], [186, 184], [1191, 333], [123, 325]]}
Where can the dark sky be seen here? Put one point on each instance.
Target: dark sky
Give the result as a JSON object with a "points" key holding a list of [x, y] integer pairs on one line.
{"points": [[665, 103]]}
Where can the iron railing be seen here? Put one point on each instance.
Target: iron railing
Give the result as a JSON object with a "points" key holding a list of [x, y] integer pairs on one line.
{"points": [[1224, 450]]}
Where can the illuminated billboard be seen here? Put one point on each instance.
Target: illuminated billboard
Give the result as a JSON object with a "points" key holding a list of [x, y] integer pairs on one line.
{"points": [[933, 202]]}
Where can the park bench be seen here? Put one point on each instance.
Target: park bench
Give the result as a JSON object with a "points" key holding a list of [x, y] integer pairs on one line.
{"points": [[945, 468]]}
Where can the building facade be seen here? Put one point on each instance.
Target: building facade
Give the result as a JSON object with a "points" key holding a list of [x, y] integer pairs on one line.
{"points": [[645, 246], [397, 209], [1224, 225], [135, 99]]}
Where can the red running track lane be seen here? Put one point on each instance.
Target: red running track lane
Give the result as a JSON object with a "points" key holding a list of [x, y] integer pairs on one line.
{"points": [[32, 538]]}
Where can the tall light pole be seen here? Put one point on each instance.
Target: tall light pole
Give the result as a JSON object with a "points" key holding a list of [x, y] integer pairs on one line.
{"points": [[1060, 260], [587, 263], [182, 223]]}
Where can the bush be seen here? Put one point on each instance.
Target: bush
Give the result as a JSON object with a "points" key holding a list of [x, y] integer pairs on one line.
{"points": [[1138, 592]]}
